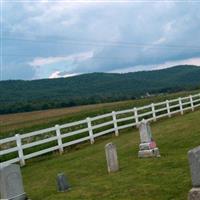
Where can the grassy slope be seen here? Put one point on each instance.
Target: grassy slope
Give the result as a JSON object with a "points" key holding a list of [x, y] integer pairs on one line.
{"points": [[138, 179], [26, 122]]}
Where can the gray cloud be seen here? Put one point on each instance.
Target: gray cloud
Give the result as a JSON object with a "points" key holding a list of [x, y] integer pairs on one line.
{"points": [[116, 33]]}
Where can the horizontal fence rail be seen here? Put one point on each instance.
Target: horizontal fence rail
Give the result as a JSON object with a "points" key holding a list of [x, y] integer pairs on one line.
{"points": [[24, 146]]}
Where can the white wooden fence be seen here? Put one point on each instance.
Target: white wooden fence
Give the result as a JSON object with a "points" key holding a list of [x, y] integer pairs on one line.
{"points": [[24, 146]]}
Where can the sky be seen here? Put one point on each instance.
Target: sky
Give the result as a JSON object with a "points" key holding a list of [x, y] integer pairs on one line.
{"points": [[51, 39]]}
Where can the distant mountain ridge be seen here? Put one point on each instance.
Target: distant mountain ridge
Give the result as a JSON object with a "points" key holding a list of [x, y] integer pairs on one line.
{"points": [[20, 96]]}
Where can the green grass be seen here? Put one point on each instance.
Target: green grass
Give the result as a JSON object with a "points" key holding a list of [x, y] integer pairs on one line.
{"points": [[165, 178]]}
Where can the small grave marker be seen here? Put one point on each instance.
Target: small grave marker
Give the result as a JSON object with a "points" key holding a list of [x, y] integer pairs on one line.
{"points": [[62, 183], [111, 157]]}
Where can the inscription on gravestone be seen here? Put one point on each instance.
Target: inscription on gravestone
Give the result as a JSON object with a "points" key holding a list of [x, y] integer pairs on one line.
{"points": [[111, 157], [11, 183]]}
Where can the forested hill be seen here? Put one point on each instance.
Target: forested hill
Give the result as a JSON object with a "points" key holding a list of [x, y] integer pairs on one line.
{"points": [[20, 96]]}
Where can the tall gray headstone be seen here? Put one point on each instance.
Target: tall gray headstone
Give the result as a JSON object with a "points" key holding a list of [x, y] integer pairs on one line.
{"points": [[147, 146], [111, 157], [62, 183], [145, 132], [11, 183], [194, 161]]}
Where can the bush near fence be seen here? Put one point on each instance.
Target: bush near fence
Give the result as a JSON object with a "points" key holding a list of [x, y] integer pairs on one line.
{"points": [[25, 146]]}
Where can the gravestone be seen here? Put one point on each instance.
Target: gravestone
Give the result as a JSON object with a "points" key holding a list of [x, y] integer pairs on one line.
{"points": [[111, 157], [147, 146], [194, 161], [145, 132], [11, 183], [62, 183]]}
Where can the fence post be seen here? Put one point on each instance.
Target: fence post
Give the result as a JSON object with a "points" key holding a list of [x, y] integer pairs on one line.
{"points": [[115, 123], [181, 106], [191, 102], [20, 150], [153, 111], [90, 130], [168, 108], [136, 116], [59, 138]]}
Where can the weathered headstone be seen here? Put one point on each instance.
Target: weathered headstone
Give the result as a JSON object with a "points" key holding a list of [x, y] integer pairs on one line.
{"points": [[111, 157], [11, 183], [145, 132], [194, 161], [62, 183], [147, 146]]}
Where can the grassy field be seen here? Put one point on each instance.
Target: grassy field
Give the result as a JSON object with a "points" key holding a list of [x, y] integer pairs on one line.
{"points": [[31, 121], [165, 178]]}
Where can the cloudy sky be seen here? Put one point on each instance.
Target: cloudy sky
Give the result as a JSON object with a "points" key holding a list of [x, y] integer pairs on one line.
{"points": [[49, 39]]}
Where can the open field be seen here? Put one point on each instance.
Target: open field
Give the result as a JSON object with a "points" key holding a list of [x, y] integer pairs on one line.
{"points": [[138, 179], [30, 121]]}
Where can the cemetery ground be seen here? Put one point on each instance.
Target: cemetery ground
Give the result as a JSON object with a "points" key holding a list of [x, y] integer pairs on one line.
{"points": [[163, 178]]}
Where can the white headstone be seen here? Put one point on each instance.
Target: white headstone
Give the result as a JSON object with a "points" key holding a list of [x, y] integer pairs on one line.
{"points": [[147, 146], [11, 183], [145, 132], [111, 157]]}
